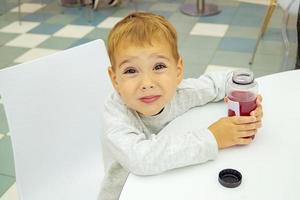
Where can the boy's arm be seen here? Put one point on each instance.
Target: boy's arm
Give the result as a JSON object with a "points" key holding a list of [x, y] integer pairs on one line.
{"points": [[208, 87], [169, 149]]}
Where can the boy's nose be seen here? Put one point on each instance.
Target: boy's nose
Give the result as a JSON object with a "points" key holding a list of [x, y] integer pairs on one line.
{"points": [[147, 83], [145, 87]]}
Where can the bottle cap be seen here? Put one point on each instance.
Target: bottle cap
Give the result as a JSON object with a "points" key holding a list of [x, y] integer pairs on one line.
{"points": [[243, 77], [230, 178]]}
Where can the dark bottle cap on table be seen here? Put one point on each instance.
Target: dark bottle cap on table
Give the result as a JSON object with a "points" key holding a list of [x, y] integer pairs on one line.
{"points": [[230, 178]]}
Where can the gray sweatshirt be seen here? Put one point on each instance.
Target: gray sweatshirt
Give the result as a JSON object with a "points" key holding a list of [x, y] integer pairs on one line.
{"points": [[133, 143]]}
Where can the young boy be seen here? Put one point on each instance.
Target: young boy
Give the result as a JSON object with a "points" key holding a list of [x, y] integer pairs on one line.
{"points": [[147, 74]]}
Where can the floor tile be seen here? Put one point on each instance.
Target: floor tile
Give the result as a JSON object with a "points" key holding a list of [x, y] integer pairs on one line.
{"points": [[74, 9], [109, 11], [3, 121], [270, 63], [8, 54], [6, 157], [270, 47], [60, 43], [109, 22], [203, 42], [273, 34], [145, 5], [233, 3], [6, 37], [193, 69], [244, 20], [216, 30], [34, 54], [82, 41], [15, 27], [73, 31], [290, 62], [97, 33], [165, 14], [237, 44], [28, 40], [246, 9], [258, 73], [213, 68], [182, 23], [122, 12], [178, 17], [161, 6], [292, 36], [224, 17], [37, 17], [61, 19], [203, 56], [89, 19], [6, 63], [292, 21], [181, 37], [11, 193], [154, 1], [5, 183], [263, 2], [243, 32], [47, 29], [276, 19], [54, 8], [231, 59], [29, 7], [3, 22]]}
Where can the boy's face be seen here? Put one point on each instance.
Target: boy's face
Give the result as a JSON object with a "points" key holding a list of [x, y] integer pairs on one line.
{"points": [[146, 77]]}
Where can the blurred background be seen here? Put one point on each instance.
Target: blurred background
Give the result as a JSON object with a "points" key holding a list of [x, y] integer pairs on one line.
{"points": [[30, 29]]}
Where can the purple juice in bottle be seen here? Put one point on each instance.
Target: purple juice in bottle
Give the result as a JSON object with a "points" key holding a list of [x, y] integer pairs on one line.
{"points": [[241, 91]]}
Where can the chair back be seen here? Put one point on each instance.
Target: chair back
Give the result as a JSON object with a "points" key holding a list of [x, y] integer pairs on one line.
{"points": [[54, 110]]}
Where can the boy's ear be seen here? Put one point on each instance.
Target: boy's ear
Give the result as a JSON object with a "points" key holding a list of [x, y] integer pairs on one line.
{"points": [[180, 70], [113, 77]]}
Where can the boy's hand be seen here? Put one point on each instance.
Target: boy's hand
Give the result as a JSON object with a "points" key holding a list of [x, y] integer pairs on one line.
{"points": [[258, 112], [230, 131]]}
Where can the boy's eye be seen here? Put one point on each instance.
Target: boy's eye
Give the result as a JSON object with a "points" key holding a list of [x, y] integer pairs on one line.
{"points": [[160, 66], [130, 71]]}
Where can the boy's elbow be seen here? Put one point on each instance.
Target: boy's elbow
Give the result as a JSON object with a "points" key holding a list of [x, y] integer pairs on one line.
{"points": [[142, 170], [143, 167]]}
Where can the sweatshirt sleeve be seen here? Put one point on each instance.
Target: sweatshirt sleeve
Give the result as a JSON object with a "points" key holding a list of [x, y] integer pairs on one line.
{"points": [[148, 155], [210, 87]]}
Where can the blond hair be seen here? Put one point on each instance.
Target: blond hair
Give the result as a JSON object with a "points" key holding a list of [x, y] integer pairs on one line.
{"points": [[142, 28]]}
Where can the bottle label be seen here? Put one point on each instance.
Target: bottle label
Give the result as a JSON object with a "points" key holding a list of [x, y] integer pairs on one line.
{"points": [[234, 106]]}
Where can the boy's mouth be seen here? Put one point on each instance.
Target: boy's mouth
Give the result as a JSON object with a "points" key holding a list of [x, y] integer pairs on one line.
{"points": [[149, 99]]}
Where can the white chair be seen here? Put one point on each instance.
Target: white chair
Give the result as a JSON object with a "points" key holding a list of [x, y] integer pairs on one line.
{"points": [[54, 109], [289, 6]]}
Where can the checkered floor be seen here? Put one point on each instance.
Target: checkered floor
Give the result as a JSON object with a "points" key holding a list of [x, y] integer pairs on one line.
{"points": [[206, 43]]}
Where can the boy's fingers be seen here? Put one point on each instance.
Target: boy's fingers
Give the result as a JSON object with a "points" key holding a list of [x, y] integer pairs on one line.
{"points": [[244, 141], [244, 119], [226, 99], [258, 99], [249, 127], [258, 112], [250, 133]]}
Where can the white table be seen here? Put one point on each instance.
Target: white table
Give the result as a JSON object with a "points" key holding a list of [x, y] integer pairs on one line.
{"points": [[270, 165]]}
